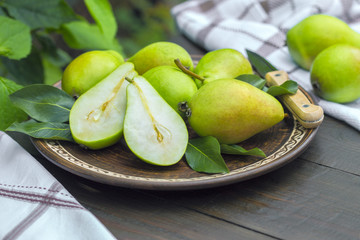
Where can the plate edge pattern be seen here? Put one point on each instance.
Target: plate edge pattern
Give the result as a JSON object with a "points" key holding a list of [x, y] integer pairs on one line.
{"points": [[296, 136]]}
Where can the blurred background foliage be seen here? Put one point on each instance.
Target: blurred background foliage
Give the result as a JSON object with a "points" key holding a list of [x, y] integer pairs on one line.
{"points": [[39, 38], [140, 22], [53, 32]]}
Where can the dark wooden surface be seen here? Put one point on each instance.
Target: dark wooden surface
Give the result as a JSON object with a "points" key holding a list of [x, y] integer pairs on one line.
{"points": [[316, 196]]}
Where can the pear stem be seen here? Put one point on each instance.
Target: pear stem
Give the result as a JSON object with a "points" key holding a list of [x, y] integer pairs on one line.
{"points": [[129, 79], [187, 71]]}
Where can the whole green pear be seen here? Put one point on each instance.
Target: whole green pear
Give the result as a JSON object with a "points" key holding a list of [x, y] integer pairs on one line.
{"points": [[222, 63], [232, 110], [172, 84], [335, 73], [158, 54], [87, 69], [316, 33]]}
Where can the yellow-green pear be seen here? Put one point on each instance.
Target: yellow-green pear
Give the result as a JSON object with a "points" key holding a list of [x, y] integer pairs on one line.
{"points": [[97, 116], [315, 33], [221, 63], [335, 73], [87, 69], [232, 110], [158, 54], [172, 84]]}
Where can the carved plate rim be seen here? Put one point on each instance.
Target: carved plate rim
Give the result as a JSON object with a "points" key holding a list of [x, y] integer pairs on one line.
{"points": [[297, 142]]}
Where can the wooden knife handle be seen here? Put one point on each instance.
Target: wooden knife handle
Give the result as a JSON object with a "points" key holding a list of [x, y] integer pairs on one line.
{"points": [[309, 115]]}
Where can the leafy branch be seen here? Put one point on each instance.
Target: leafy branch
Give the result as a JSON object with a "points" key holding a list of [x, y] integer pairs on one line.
{"points": [[28, 52]]}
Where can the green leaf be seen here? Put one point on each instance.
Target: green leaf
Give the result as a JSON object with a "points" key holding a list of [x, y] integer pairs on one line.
{"points": [[237, 150], [26, 71], [50, 51], [262, 65], [83, 35], [44, 130], [252, 79], [15, 38], [103, 15], [8, 112], [288, 87], [40, 13], [52, 73], [203, 155], [43, 102]]}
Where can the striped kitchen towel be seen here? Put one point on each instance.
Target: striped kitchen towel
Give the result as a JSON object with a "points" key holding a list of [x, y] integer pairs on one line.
{"points": [[34, 205], [261, 26]]}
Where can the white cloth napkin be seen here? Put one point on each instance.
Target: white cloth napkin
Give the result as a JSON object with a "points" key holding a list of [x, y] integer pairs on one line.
{"points": [[34, 205], [261, 26]]}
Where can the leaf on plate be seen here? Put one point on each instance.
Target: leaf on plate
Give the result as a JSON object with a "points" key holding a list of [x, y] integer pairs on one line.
{"points": [[8, 112], [203, 155], [288, 87], [252, 79], [44, 130], [15, 38], [237, 150], [40, 13], [49, 104]]}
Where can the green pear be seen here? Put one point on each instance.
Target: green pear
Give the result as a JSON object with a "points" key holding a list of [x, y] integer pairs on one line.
{"points": [[315, 33], [87, 69], [97, 116], [221, 63], [152, 129], [232, 110], [158, 54], [335, 73], [172, 84]]}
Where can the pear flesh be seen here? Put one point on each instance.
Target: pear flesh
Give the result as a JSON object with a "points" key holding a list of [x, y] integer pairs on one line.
{"points": [[152, 129], [335, 73], [232, 111], [97, 116], [314, 34]]}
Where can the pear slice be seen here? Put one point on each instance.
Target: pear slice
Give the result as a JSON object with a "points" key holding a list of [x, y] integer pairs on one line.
{"points": [[97, 116], [153, 130]]}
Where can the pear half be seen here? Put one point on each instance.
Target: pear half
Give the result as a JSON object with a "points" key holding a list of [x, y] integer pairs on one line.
{"points": [[97, 116], [153, 130]]}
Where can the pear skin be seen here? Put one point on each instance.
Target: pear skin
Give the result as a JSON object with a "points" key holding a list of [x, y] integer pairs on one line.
{"points": [[335, 73], [232, 111], [158, 54], [172, 84], [87, 69], [222, 63], [315, 33]]}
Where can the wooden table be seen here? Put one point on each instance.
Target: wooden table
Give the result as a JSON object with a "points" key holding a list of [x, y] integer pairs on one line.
{"points": [[316, 196]]}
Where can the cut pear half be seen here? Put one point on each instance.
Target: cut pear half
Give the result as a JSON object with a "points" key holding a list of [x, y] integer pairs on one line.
{"points": [[97, 116], [153, 130]]}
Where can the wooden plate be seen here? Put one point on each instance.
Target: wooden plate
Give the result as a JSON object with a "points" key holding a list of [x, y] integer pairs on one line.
{"points": [[117, 166]]}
